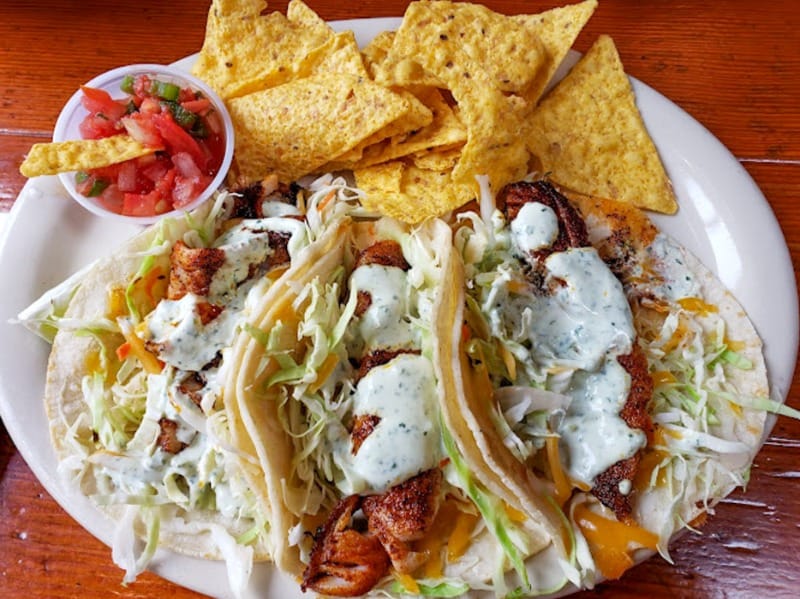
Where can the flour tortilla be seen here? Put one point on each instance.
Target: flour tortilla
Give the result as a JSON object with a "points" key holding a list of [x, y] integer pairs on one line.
{"points": [[258, 431], [260, 416], [607, 222], [190, 533]]}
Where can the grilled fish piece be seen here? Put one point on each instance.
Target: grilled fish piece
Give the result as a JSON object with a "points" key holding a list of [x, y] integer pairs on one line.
{"points": [[404, 514], [572, 233], [344, 562]]}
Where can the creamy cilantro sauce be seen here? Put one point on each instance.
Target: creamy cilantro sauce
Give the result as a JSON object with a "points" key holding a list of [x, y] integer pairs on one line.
{"points": [[406, 441], [534, 228], [592, 432], [270, 208], [679, 281], [385, 323], [402, 393], [184, 341], [246, 245], [572, 334], [188, 346]]}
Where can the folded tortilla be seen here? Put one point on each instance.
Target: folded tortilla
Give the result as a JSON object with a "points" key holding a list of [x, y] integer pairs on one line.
{"points": [[297, 397], [135, 380], [704, 359]]}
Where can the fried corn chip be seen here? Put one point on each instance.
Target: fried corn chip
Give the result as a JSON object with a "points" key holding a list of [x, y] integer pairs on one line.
{"points": [[340, 54], [415, 118], [295, 128], [376, 51], [408, 193], [81, 155], [476, 69], [300, 14], [510, 52], [589, 136], [244, 51], [557, 29], [439, 159], [444, 130]]}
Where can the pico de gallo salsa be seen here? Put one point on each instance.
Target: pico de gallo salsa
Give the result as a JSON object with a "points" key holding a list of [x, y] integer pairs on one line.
{"points": [[181, 122]]}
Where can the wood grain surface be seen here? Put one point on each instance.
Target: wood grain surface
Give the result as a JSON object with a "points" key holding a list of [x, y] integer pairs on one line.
{"points": [[734, 66]]}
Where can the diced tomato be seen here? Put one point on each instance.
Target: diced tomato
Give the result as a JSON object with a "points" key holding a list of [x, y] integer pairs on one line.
{"points": [[213, 122], [96, 126], [156, 170], [111, 198], [178, 139], [141, 86], [157, 201], [200, 106], [150, 106], [186, 165], [187, 95], [126, 181], [138, 204], [187, 188], [107, 172], [98, 101]]}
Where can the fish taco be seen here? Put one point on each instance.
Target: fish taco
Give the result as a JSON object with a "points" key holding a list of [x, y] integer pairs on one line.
{"points": [[139, 361], [603, 371], [341, 387]]}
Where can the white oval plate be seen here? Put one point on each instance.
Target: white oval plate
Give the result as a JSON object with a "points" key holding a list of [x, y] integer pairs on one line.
{"points": [[723, 218]]}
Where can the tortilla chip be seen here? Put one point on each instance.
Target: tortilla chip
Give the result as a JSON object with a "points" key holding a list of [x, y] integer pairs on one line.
{"points": [[416, 117], [484, 86], [340, 54], [81, 155], [408, 193], [590, 137], [444, 130], [557, 29], [440, 159], [376, 51], [244, 51], [511, 53], [300, 14], [287, 129]]}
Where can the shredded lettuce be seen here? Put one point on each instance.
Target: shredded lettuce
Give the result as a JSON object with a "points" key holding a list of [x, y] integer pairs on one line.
{"points": [[44, 316], [493, 512], [439, 589]]}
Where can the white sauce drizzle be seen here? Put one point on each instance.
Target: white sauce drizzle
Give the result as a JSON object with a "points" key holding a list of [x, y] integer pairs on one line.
{"points": [[592, 432], [246, 244], [384, 324], [579, 327], [534, 228], [184, 341], [402, 393], [679, 281]]}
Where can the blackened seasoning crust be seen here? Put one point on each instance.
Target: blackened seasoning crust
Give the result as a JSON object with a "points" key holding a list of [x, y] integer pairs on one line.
{"points": [[191, 269], [572, 233], [362, 428], [168, 437], [404, 514], [378, 357], [279, 244], [385, 253], [571, 228], [248, 201], [344, 562]]}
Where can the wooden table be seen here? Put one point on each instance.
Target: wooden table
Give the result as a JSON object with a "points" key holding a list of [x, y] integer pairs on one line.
{"points": [[734, 66]]}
